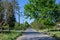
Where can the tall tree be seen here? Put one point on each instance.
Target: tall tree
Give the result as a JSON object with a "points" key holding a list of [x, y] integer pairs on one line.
{"points": [[46, 11], [11, 17], [16, 9], [1, 14], [10, 7]]}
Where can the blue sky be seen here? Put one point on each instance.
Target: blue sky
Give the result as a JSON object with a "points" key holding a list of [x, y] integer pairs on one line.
{"points": [[22, 19], [21, 4]]}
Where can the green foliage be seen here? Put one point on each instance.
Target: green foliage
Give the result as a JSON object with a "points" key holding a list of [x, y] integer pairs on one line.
{"points": [[24, 26], [11, 17], [1, 14], [7, 14], [17, 27], [11, 22], [1, 7], [9, 36], [37, 25], [46, 11]]}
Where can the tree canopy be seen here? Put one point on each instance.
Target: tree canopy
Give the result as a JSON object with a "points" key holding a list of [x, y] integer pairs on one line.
{"points": [[46, 11]]}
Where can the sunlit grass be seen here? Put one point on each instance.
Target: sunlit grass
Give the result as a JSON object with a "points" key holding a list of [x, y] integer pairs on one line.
{"points": [[9, 36], [57, 33]]}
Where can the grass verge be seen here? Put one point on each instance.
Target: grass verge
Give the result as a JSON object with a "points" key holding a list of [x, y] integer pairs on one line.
{"points": [[10, 36]]}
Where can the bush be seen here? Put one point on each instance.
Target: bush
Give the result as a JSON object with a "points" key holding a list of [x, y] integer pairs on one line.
{"points": [[55, 36]]}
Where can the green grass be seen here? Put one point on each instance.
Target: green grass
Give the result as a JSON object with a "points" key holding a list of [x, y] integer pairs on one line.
{"points": [[9, 36], [57, 33]]}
